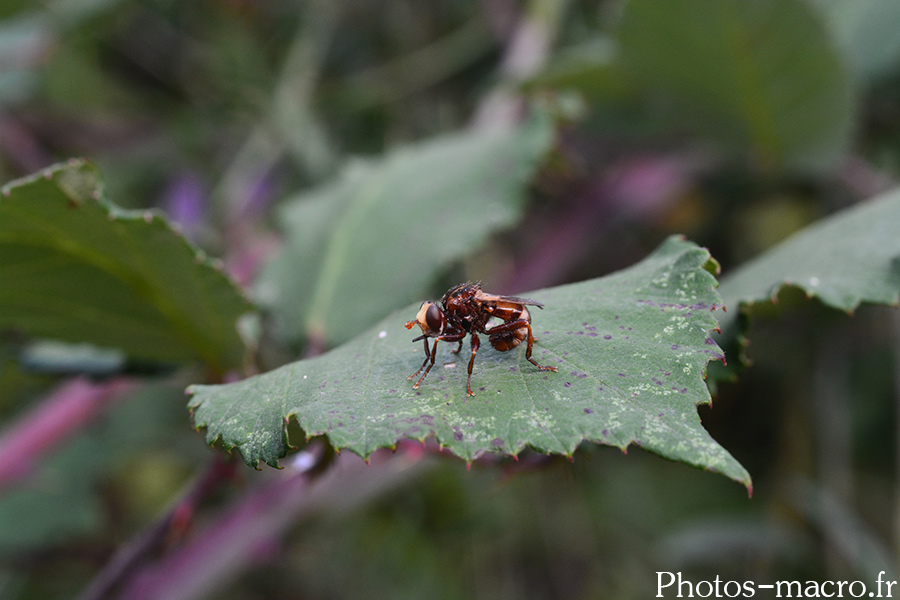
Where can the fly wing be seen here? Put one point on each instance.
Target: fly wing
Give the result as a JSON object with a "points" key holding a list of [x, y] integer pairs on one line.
{"points": [[510, 299]]}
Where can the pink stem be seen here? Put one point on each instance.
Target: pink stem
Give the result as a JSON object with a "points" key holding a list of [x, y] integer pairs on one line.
{"points": [[50, 423]]}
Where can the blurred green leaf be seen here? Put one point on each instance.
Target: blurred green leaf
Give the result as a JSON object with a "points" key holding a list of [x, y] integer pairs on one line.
{"points": [[868, 32], [53, 357], [24, 41], [29, 40], [631, 348], [848, 258], [74, 267], [593, 68], [374, 239], [760, 74]]}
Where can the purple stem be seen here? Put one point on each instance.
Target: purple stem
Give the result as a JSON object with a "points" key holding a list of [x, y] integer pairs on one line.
{"points": [[185, 201], [246, 533], [631, 187], [70, 408], [173, 525]]}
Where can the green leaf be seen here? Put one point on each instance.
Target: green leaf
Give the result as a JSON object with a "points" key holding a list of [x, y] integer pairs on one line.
{"points": [[631, 349], [21, 38], [844, 260], [374, 239], [76, 268], [759, 74], [868, 33], [593, 68]]}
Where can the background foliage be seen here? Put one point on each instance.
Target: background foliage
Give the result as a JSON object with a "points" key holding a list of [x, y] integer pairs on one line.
{"points": [[290, 139]]}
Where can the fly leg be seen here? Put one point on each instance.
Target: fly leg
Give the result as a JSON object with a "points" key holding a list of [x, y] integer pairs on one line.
{"points": [[475, 344], [429, 355]]}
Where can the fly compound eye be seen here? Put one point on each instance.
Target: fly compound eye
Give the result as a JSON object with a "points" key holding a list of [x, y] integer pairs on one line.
{"points": [[431, 319], [434, 318]]}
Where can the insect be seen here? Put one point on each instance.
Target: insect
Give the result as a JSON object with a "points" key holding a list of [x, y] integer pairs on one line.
{"points": [[466, 310]]}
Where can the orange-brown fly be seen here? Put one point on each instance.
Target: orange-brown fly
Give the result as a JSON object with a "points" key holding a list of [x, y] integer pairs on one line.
{"points": [[466, 310]]}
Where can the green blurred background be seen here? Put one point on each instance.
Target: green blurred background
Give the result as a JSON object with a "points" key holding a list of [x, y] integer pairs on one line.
{"points": [[732, 122]]}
